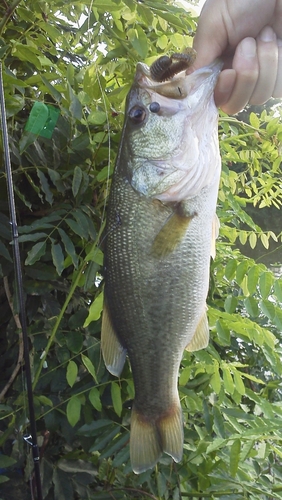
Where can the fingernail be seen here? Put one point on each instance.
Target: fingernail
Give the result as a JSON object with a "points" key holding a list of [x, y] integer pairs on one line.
{"points": [[248, 47], [267, 34]]}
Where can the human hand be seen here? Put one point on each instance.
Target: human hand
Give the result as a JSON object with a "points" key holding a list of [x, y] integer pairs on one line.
{"points": [[247, 36]]}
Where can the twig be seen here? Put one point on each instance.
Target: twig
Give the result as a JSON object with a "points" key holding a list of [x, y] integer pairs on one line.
{"points": [[21, 347], [9, 12]]}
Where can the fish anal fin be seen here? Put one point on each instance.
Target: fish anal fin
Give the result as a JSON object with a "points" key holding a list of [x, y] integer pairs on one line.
{"points": [[171, 234], [113, 352], [171, 429], [150, 437], [145, 446], [200, 338], [215, 232]]}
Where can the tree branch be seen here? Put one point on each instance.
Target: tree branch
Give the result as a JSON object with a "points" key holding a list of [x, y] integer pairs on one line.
{"points": [[21, 346], [9, 12]]}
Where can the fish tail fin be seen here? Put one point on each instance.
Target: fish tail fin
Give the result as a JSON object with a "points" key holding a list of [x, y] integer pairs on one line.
{"points": [[149, 438]]}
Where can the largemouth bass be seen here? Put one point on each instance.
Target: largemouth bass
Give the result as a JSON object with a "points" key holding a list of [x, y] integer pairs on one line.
{"points": [[161, 229]]}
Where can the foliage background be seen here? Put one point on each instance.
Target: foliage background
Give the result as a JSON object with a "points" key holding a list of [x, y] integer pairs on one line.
{"points": [[79, 58]]}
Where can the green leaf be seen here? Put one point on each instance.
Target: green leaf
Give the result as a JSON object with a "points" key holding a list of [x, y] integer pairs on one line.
{"points": [[97, 117], [45, 186], [37, 118], [265, 283], [95, 399], [4, 479], [227, 379], [253, 240], [89, 366], [254, 120], [82, 221], [138, 40], [58, 257], [43, 400], [251, 306], [73, 410], [69, 247], [215, 380], [75, 105], [74, 341], [218, 423], [118, 443], [76, 228], [4, 252], [239, 384], [104, 439], [230, 269], [267, 308], [25, 53], [72, 371], [76, 181], [265, 240], [241, 271], [235, 457], [35, 253], [95, 310], [243, 236], [63, 488], [253, 275], [6, 461], [230, 304], [278, 289], [106, 5], [223, 332], [52, 90], [146, 15], [32, 236], [116, 398]]}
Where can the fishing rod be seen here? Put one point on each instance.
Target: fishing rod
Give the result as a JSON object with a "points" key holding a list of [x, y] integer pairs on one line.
{"points": [[32, 438]]}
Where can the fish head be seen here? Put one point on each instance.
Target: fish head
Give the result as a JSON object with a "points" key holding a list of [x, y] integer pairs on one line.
{"points": [[170, 133]]}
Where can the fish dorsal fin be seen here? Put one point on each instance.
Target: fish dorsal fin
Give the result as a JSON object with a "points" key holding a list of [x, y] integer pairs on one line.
{"points": [[215, 232], [112, 350], [171, 234], [200, 338]]}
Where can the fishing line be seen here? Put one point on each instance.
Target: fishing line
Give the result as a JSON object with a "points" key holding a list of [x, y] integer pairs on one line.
{"points": [[32, 438]]}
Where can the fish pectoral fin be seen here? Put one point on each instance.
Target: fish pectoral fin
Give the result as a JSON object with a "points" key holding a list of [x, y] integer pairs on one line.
{"points": [[149, 438], [200, 338], [215, 233], [113, 352], [171, 234]]}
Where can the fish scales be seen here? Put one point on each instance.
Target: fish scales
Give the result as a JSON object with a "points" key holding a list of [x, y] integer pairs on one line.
{"points": [[157, 267]]}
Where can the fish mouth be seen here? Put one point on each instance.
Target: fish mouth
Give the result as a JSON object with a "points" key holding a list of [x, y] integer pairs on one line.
{"points": [[182, 84]]}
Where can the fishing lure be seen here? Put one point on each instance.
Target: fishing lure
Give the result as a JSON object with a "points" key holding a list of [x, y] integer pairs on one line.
{"points": [[164, 68]]}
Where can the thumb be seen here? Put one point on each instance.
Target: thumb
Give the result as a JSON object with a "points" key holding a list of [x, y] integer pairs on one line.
{"points": [[211, 38], [207, 46]]}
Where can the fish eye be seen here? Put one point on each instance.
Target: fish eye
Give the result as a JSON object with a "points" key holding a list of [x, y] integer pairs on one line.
{"points": [[154, 107], [137, 114]]}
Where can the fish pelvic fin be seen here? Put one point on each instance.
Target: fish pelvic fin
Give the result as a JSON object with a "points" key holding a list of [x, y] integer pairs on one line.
{"points": [[171, 234], [200, 338], [113, 352], [149, 438]]}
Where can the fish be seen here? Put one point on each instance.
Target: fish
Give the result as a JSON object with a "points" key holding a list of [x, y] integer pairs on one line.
{"points": [[160, 235]]}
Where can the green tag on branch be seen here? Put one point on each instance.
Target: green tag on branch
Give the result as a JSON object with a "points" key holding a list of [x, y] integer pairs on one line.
{"points": [[42, 119]]}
